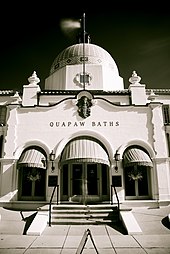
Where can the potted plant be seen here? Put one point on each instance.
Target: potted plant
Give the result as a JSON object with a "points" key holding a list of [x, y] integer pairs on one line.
{"points": [[135, 174], [34, 176]]}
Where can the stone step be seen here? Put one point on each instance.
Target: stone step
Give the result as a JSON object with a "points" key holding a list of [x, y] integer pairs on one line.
{"points": [[80, 214], [89, 215], [63, 211], [67, 221], [80, 207]]}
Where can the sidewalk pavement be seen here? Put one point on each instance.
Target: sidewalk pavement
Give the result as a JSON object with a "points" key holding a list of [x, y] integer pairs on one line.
{"points": [[65, 239]]}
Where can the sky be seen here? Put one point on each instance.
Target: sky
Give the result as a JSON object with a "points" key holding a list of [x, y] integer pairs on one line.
{"points": [[135, 33]]}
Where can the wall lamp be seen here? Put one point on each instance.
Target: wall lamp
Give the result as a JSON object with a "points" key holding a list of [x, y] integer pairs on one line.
{"points": [[52, 158], [117, 158]]}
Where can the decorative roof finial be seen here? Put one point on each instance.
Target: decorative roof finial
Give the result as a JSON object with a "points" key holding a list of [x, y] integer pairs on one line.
{"points": [[34, 80], [152, 95], [16, 98], [134, 79]]}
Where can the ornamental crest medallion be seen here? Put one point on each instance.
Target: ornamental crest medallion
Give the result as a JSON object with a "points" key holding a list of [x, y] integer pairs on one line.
{"points": [[84, 104]]}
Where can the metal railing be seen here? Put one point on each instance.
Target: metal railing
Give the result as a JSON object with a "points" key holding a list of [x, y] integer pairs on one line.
{"points": [[117, 198], [51, 199]]}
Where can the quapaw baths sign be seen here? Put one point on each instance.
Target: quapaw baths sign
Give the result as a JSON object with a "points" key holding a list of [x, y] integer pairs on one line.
{"points": [[84, 124]]}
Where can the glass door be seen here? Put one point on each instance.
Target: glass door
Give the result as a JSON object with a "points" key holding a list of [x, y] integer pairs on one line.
{"points": [[92, 179], [77, 179], [84, 182], [84, 186]]}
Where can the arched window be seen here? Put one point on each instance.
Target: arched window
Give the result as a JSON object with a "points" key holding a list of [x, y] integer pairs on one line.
{"points": [[137, 164], [32, 174]]}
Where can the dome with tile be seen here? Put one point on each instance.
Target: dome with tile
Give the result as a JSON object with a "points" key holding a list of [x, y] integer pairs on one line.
{"points": [[75, 55]]}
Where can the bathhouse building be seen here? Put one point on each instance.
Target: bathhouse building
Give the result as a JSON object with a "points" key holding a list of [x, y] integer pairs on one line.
{"points": [[84, 134]]}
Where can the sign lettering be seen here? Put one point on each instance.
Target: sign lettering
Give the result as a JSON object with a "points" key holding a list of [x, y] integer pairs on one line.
{"points": [[65, 124]]}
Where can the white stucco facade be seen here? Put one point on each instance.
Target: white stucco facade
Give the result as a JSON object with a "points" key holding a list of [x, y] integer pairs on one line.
{"points": [[71, 114]]}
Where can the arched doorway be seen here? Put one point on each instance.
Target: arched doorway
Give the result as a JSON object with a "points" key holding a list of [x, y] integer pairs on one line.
{"points": [[84, 171], [137, 166], [32, 174]]}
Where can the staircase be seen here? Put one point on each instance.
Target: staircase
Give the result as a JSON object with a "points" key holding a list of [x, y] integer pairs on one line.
{"points": [[64, 214]]}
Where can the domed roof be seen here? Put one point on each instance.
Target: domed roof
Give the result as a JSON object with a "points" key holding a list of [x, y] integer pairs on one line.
{"points": [[74, 55]]}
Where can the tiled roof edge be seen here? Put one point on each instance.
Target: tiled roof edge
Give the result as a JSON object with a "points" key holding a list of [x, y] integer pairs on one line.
{"points": [[159, 91], [74, 92], [7, 92]]}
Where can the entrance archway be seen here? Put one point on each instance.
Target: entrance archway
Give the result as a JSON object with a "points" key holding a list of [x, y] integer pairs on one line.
{"points": [[84, 171]]}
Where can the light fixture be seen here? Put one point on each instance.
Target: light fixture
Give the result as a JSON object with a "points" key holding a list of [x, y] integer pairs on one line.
{"points": [[52, 158], [117, 158]]}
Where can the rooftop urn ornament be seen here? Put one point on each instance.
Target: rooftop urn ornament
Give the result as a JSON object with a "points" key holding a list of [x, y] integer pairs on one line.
{"points": [[31, 90], [34, 80], [16, 98], [152, 95], [134, 79]]}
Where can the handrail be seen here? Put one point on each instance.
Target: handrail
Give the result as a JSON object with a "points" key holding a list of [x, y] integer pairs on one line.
{"points": [[118, 203], [56, 186]]}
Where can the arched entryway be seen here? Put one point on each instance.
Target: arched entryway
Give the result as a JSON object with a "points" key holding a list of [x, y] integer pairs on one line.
{"points": [[84, 171], [32, 174], [137, 173]]}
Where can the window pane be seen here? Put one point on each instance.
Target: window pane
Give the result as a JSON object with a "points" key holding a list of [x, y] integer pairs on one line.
{"points": [[129, 183], [143, 183], [92, 179], [40, 183], [26, 182], [77, 179], [166, 114], [1, 145], [104, 179], [65, 179], [3, 111]]}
